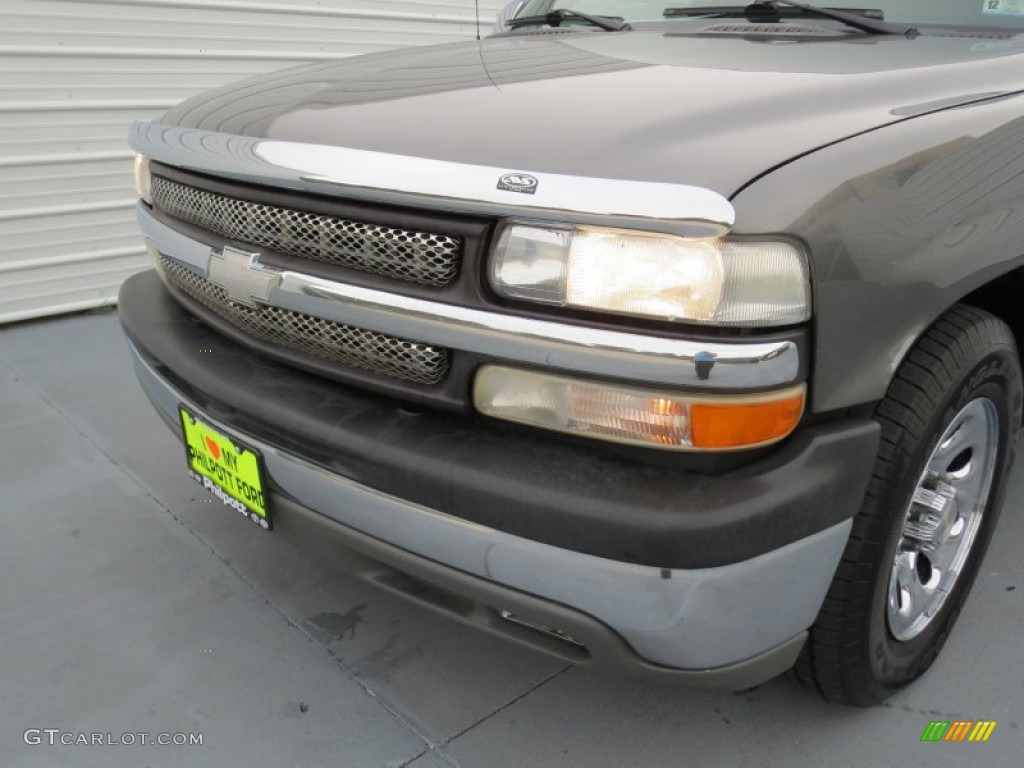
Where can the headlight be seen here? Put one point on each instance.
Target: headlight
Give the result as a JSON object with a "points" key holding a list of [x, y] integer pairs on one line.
{"points": [[635, 415], [143, 181], [661, 276]]}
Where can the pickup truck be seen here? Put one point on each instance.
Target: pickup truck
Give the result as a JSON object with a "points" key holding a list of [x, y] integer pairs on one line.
{"points": [[676, 338]]}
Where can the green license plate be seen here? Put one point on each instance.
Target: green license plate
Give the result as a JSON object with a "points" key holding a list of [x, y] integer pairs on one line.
{"points": [[226, 468]]}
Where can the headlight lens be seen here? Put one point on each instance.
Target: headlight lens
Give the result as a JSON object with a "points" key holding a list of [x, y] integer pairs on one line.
{"points": [[661, 276], [638, 416], [143, 181]]}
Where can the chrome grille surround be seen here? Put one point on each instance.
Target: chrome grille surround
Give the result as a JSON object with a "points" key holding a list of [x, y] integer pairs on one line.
{"points": [[417, 257], [378, 353]]}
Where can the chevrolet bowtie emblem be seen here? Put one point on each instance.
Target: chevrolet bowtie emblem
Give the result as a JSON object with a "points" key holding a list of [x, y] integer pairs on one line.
{"points": [[242, 276]]}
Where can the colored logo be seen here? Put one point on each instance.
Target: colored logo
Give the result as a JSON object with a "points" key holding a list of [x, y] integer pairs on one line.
{"points": [[958, 730], [213, 448], [518, 182]]}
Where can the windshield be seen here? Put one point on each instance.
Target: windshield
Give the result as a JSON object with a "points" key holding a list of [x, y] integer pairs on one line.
{"points": [[1006, 14]]}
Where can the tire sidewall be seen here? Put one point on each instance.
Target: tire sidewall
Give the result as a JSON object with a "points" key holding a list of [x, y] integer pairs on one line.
{"points": [[996, 376]]}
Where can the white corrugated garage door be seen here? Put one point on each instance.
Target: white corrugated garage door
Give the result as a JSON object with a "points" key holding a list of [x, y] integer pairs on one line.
{"points": [[75, 73]]}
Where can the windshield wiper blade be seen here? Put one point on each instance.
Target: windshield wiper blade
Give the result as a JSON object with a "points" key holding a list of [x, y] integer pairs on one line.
{"points": [[861, 21], [555, 18], [852, 20]]}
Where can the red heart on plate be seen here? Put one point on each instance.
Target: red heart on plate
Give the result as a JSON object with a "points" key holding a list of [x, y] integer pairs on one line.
{"points": [[214, 449]]}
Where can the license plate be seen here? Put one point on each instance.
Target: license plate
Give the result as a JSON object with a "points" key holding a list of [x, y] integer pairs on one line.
{"points": [[226, 468]]}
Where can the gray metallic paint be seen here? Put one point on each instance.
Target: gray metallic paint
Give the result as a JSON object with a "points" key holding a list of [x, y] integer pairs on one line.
{"points": [[641, 105], [897, 161], [902, 223]]}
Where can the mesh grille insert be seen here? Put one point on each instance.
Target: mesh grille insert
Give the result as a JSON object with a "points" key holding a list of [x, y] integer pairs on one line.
{"points": [[336, 342], [418, 257]]}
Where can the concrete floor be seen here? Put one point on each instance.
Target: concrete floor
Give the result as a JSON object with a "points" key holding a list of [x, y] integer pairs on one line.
{"points": [[131, 603]]}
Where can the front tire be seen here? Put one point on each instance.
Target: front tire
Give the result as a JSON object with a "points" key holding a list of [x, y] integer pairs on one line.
{"points": [[949, 426]]}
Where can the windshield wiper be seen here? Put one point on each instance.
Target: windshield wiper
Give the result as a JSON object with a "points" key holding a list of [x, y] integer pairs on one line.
{"points": [[771, 7], [555, 18]]}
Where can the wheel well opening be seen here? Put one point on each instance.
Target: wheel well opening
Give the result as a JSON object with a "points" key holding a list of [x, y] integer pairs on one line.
{"points": [[1004, 298]]}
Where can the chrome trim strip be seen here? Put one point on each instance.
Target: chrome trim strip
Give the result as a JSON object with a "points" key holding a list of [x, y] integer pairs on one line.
{"points": [[688, 619], [616, 354], [356, 173]]}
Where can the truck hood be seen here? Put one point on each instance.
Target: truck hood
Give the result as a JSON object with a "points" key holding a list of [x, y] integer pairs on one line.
{"points": [[643, 105]]}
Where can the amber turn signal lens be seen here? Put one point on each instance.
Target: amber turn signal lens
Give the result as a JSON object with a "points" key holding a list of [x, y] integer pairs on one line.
{"points": [[675, 421], [744, 424]]}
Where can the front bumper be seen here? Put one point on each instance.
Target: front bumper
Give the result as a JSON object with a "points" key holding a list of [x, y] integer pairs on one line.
{"points": [[732, 620]]}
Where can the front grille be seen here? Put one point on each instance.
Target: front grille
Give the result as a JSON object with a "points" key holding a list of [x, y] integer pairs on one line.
{"points": [[339, 343], [425, 258]]}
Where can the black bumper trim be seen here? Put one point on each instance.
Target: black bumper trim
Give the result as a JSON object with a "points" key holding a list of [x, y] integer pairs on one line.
{"points": [[523, 483]]}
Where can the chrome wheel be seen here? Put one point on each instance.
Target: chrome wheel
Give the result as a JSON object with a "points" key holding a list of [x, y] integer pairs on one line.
{"points": [[943, 519], [949, 422]]}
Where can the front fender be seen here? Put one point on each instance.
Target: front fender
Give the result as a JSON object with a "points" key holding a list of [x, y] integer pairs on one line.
{"points": [[901, 222]]}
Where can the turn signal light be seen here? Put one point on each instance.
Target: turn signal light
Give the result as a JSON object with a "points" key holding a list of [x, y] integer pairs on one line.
{"points": [[719, 425], [623, 414]]}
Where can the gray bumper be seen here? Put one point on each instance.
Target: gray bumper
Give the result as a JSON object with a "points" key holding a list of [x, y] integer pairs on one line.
{"points": [[695, 619]]}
